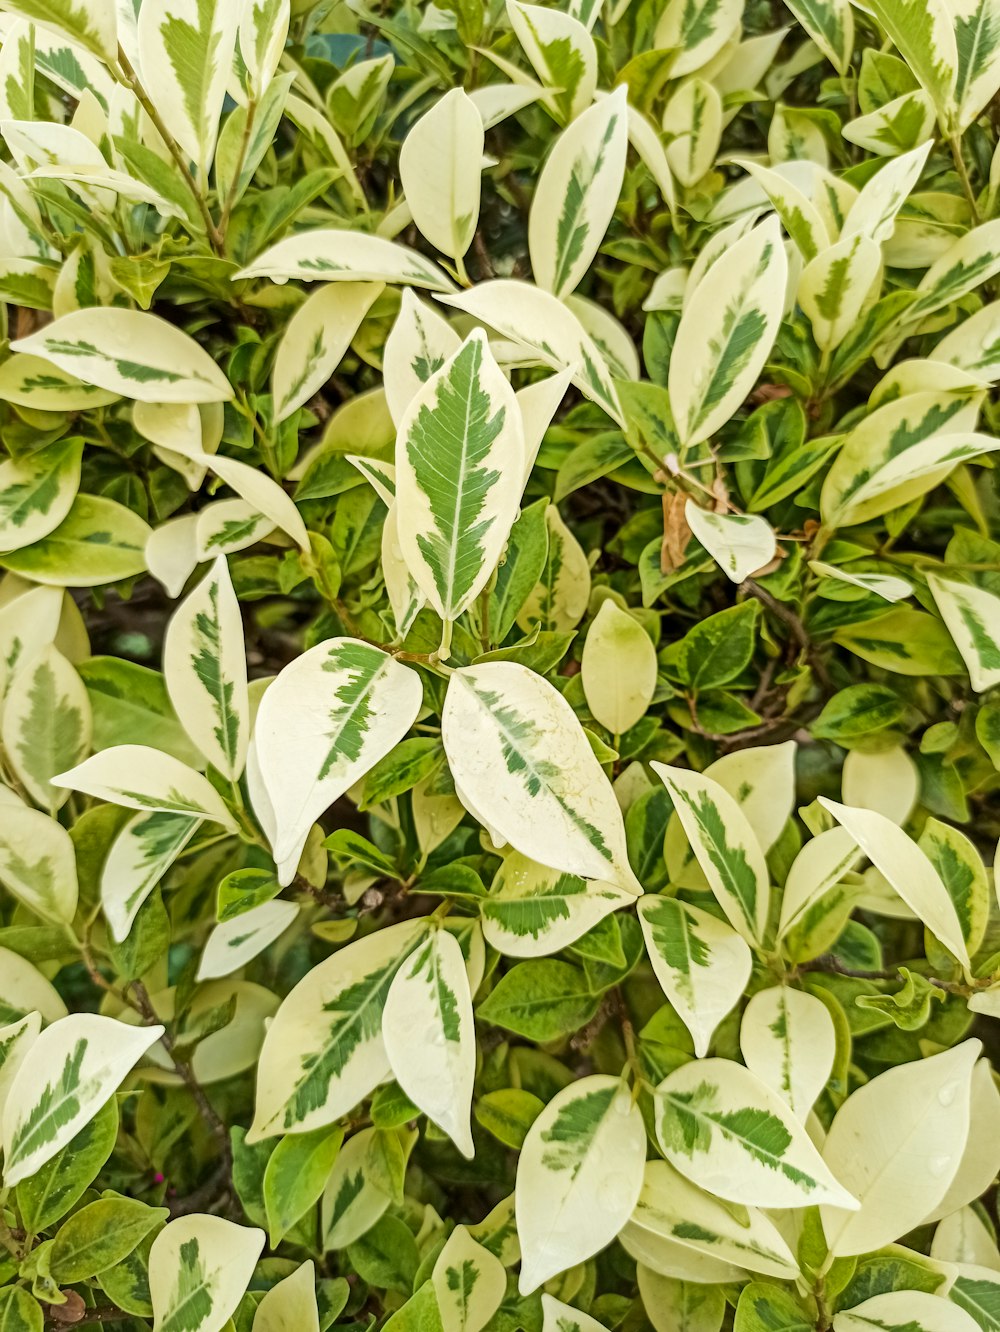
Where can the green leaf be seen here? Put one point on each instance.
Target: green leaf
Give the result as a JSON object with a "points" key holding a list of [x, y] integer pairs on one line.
{"points": [[100, 1235], [295, 1176]]}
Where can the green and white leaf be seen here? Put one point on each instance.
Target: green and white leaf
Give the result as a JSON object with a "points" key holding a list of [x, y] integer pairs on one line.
{"points": [[905, 1311], [204, 665], [561, 52], [459, 470], [674, 1305], [560, 598], [329, 255], [977, 39], [24, 990], [618, 668], [38, 863], [324, 1051], [817, 870], [701, 962], [907, 869], [577, 193], [800, 217], [16, 1039], [897, 1143], [440, 164], [972, 616], [46, 724], [139, 777], [695, 32], [733, 1136], [69, 1072], [263, 30], [37, 492], [830, 23], [418, 345], [352, 1200], [725, 847], [559, 1317], [533, 910], [91, 24], [237, 942], [974, 345], [836, 285], [972, 260], [692, 124], [900, 125], [316, 340], [469, 1283], [259, 491], [138, 859], [429, 1035], [131, 353], [290, 1306], [226, 526], [326, 719], [99, 541], [873, 212], [739, 543], [925, 36], [199, 1269], [579, 1175], [787, 1038], [524, 767], [30, 381], [886, 586], [726, 332]]}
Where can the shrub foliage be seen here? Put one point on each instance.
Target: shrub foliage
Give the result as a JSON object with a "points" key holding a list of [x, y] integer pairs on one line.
{"points": [[498, 642]]}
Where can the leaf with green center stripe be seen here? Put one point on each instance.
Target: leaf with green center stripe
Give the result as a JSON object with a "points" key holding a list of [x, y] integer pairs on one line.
{"points": [[535, 319], [99, 541], [262, 32], [559, 1317], [29, 381], [977, 39], [469, 1283], [533, 910], [139, 777], [67, 1075], [562, 54], [858, 485], [695, 30], [974, 345], [235, 943], [830, 23], [816, 872], [46, 725], [873, 212], [733, 1136], [905, 1311], [459, 470], [352, 1200], [199, 1269], [895, 128], [37, 492], [726, 332], [923, 32], [19, 1312], [90, 23], [329, 255], [973, 618], [440, 165], [692, 123], [429, 1035], [328, 717], [139, 857], [418, 345], [674, 1305], [724, 846], [523, 765], [324, 1051], [701, 962], [972, 260], [787, 1038], [961, 870], [578, 1176], [38, 863], [835, 286], [671, 1208], [129, 352], [186, 49], [205, 669], [799, 215], [316, 340], [577, 193], [764, 1307], [907, 869]]}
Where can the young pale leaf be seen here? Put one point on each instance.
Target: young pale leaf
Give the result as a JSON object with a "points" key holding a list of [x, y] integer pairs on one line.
{"points": [[739, 543], [973, 618], [908, 871], [560, 598], [37, 492], [674, 1305], [46, 725], [199, 1268], [559, 1317], [316, 339], [290, 1306], [673, 1209], [186, 49], [835, 286], [469, 1283], [906, 1311], [562, 54], [830, 23], [38, 864], [459, 470], [345, 256], [897, 1143], [576, 194], [139, 777], [726, 333], [524, 767], [69, 1072], [618, 668], [787, 1039], [733, 1136], [578, 1176], [263, 30], [533, 910], [702, 964], [328, 717], [324, 1051], [440, 164], [129, 352], [139, 857], [429, 1035], [725, 847]]}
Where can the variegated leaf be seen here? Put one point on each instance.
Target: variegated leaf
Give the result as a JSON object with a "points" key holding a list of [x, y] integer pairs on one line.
{"points": [[787, 1038], [235, 943], [417, 347], [905, 1311], [226, 526], [559, 1317], [695, 32], [900, 125], [873, 212], [972, 260], [329, 255], [199, 1268], [523, 766], [973, 618], [91, 24], [263, 28], [16, 1039], [459, 470], [37, 491], [440, 163], [961, 870], [533, 910], [38, 863], [469, 1283], [562, 54], [925, 36], [576, 194], [328, 717], [739, 543], [830, 23], [886, 586], [352, 1200], [578, 1176], [726, 332], [139, 857], [692, 123], [800, 217], [560, 598], [315, 340], [30, 381], [69, 1072], [817, 870], [46, 724], [733, 1136], [675, 1305], [139, 777], [290, 1306], [324, 1050], [429, 1035], [974, 345]]}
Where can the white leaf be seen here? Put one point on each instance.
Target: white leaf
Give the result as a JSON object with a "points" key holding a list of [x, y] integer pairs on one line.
{"points": [[618, 668], [788, 1040], [345, 256], [905, 1311], [236, 942], [139, 777], [316, 339], [440, 162], [740, 543]]}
